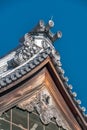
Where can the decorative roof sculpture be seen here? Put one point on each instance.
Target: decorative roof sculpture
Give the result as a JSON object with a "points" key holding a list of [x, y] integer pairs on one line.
{"points": [[33, 44], [34, 48]]}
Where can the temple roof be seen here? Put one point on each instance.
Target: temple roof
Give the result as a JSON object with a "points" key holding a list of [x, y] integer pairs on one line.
{"points": [[35, 46]]}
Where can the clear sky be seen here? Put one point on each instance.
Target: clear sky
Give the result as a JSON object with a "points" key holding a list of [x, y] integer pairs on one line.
{"points": [[70, 16]]}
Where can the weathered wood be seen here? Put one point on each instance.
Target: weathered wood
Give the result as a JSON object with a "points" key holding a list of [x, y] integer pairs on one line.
{"points": [[60, 102], [11, 99], [28, 75], [70, 103], [43, 74]]}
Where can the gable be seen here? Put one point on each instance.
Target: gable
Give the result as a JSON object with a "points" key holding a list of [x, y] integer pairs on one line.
{"points": [[27, 96]]}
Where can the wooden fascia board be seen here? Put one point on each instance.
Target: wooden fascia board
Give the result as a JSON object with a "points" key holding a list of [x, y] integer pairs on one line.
{"points": [[66, 95], [60, 102]]}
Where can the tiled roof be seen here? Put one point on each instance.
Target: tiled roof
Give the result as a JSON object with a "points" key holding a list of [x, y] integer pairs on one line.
{"points": [[35, 48]]}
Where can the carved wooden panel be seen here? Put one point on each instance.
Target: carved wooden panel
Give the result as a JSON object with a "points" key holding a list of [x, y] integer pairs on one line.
{"points": [[43, 103]]}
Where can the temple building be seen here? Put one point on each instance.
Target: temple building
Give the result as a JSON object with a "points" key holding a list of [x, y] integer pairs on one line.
{"points": [[34, 93]]}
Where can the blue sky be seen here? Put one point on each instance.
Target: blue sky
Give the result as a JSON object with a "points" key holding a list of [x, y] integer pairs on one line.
{"points": [[70, 16]]}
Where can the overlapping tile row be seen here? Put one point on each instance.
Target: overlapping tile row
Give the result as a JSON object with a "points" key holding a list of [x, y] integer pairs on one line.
{"points": [[21, 71], [69, 87]]}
